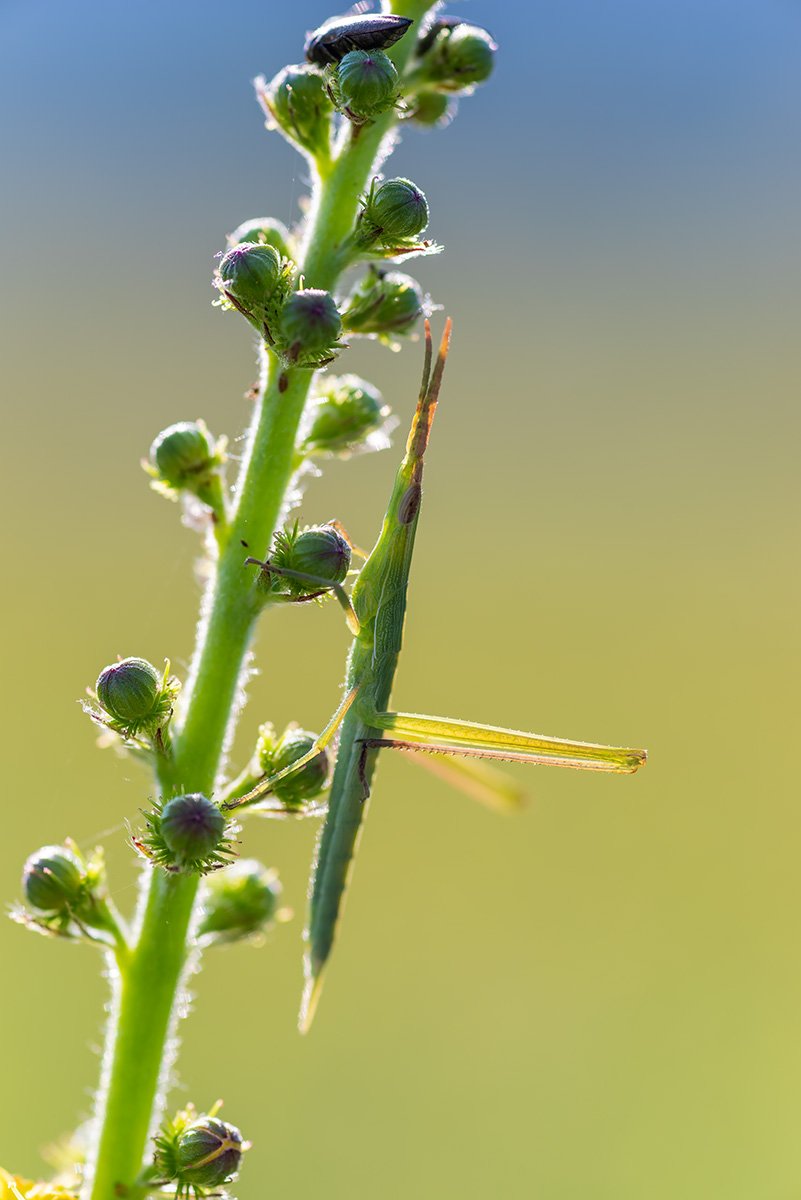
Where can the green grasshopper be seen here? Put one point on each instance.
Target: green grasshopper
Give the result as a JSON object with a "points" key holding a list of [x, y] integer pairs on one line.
{"points": [[375, 615]]}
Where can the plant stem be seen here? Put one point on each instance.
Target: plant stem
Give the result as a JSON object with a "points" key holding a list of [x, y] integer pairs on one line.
{"points": [[137, 1053], [142, 1019]]}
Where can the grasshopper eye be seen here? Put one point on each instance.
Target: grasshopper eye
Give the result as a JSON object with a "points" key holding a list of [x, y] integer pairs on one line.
{"points": [[410, 504]]}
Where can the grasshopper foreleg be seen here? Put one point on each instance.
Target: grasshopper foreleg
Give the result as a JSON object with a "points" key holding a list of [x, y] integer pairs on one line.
{"points": [[315, 581], [264, 786]]}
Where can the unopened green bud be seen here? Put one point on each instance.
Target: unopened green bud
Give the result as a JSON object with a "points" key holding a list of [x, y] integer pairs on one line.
{"points": [[298, 104], [183, 454], [191, 827], [321, 551], [254, 279], [239, 901], [346, 411], [310, 327], [133, 698], [459, 57], [53, 879], [384, 303], [208, 1152], [182, 451], [364, 84], [303, 784], [264, 231], [393, 214], [197, 1152], [130, 690], [431, 109], [399, 209], [186, 458]]}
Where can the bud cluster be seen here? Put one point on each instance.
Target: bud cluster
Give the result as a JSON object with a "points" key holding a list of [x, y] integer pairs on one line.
{"points": [[302, 326], [324, 107]]}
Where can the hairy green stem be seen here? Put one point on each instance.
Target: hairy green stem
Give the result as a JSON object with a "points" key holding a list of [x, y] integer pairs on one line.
{"points": [[142, 1018], [137, 1055]]}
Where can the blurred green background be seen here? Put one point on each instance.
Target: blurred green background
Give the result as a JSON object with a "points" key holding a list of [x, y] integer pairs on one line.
{"points": [[598, 999]]}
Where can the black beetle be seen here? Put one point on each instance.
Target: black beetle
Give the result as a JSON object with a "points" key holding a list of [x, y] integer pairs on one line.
{"points": [[337, 36]]}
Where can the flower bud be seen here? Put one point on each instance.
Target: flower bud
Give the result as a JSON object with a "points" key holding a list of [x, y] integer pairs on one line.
{"points": [[68, 896], [239, 901], [298, 104], [208, 1152], [384, 303], [364, 84], [263, 231], [304, 784], [133, 698], [253, 279], [197, 1152], [321, 551], [192, 828], [185, 458], [432, 109], [53, 880], [346, 411], [181, 452], [310, 327], [393, 214], [130, 690], [458, 56]]}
